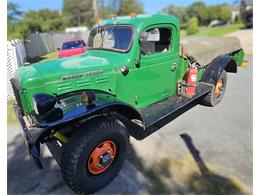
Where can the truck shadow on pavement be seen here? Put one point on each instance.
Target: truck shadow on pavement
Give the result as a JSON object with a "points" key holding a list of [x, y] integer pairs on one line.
{"points": [[134, 178], [24, 178], [22, 175], [207, 182], [162, 181]]}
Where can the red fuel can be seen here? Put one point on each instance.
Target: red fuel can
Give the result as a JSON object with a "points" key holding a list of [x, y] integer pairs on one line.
{"points": [[191, 79]]}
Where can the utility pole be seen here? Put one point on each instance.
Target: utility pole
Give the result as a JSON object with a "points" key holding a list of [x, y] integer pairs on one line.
{"points": [[78, 20], [95, 8]]}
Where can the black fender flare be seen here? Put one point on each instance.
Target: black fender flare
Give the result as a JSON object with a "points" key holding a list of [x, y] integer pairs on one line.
{"points": [[123, 109], [214, 69], [110, 106], [125, 113]]}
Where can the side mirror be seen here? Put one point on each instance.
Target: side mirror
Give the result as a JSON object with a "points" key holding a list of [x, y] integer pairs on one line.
{"points": [[151, 35], [58, 49], [181, 50], [143, 37]]}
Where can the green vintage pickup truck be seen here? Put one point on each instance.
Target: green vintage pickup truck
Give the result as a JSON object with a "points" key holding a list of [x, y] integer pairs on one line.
{"points": [[131, 82]]}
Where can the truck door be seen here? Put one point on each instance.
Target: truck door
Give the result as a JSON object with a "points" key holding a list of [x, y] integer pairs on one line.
{"points": [[156, 77]]}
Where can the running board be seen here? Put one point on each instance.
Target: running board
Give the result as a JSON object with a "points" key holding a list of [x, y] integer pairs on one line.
{"points": [[161, 113]]}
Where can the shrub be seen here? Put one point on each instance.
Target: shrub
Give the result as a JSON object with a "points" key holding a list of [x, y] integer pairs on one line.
{"points": [[192, 27]]}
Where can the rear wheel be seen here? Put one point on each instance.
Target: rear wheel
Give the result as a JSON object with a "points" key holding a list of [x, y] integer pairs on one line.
{"points": [[94, 155], [215, 96]]}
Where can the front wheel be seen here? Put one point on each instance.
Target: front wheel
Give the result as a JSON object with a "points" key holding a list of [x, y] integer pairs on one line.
{"points": [[94, 155], [215, 96]]}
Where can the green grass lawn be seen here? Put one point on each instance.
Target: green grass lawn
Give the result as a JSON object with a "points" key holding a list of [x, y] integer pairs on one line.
{"points": [[11, 116], [49, 56], [215, 31]]}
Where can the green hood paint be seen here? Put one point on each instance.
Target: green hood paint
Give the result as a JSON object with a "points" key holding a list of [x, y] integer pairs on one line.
{"points": [[94, 70], [52, 71]]}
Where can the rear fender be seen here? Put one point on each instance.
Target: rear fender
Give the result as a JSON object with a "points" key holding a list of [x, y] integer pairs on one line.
{"points": [[214, 69]]}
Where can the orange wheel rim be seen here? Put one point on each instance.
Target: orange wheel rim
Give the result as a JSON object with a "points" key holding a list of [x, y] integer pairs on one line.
{"points": [[102, 157], [219, 88]]}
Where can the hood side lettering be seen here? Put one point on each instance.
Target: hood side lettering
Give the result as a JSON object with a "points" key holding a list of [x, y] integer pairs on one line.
{"points": [[74, 76]]}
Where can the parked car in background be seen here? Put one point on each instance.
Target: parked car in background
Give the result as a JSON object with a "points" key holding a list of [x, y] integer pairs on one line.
{"points": [[215, 23], [72, 47]]}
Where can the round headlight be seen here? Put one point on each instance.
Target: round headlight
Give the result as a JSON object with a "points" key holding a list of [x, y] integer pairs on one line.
{"points": [[44, 106], [42, 103]]}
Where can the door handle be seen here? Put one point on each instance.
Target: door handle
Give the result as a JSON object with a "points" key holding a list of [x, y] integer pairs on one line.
{"points": [[124, 70], [173, 66]]}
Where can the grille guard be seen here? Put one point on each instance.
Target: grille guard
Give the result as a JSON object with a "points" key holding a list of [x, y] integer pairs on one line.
{"points": [[32, 146]]}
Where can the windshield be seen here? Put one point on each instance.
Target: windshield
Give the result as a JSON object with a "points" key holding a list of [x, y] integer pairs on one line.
{"points": [[116, 37], [73, 44]]}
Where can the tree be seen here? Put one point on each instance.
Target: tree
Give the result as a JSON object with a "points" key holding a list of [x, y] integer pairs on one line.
{"points": [[200, 11], [119, 7], [179, 12], [78, 12], [13, 15], [85, 12], [104, 12], [220, 12], [13, 12], [111, 5], [128, 6], [192, 27], [108, 7], [214, 12], [205, 14], [225, 13], [43, 20]]}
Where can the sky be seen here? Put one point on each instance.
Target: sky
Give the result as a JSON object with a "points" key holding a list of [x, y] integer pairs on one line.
{"points": [[150, 6]]}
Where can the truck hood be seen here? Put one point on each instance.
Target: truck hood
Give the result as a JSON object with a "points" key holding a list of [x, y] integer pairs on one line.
{"points": [[54, 71]]}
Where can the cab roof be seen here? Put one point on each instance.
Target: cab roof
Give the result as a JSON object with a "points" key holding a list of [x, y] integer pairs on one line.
{"points": [[138, 20]]}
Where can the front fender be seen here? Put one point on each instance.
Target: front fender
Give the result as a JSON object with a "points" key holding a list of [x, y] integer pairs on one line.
{"points": [[82, 112], [74, 111], [104, 103], [214, 69]]}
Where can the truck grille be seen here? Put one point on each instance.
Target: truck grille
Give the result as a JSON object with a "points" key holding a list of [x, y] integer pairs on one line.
{"points": [[16, 90]]}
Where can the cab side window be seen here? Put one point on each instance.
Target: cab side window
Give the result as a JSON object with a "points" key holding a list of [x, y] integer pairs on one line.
{"points": [[158, 40]]}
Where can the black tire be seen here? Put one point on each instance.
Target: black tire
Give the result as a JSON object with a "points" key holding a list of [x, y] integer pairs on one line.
{"points": [[211, 99], [76, 154]]}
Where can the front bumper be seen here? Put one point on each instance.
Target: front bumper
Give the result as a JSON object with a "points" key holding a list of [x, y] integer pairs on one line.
{"points": [[32, 145]]}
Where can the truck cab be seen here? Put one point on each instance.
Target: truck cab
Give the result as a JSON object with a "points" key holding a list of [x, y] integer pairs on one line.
{"points": [[150, 72]]}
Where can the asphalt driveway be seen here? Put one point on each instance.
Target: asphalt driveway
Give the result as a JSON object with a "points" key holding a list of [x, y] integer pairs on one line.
{"points": [[222, 137]]}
